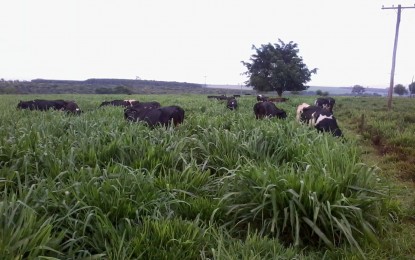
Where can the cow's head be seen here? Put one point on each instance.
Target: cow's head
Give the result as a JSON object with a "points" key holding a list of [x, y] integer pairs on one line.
{"points": [[281, 114], [328, 124], [232, 104]]}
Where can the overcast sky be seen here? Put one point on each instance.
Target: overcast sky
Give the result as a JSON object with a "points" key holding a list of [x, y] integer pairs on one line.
{"points": [[350, 42]]}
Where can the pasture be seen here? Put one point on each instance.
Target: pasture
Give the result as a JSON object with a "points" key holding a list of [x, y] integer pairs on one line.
{"points": [[222, 185]]}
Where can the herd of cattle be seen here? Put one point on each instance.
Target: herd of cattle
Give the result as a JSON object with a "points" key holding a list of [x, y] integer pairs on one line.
{"points": [[320, 115]]}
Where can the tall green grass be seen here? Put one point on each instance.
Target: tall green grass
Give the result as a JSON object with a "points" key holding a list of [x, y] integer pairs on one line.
{"points": [[222, 185]]}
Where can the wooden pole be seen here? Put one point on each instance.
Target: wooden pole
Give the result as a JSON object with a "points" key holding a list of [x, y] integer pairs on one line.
{"points": [[395, 46]]}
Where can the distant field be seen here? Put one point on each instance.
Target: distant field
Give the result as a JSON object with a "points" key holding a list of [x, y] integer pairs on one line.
{"points": [[222, 185], [330, 90]]}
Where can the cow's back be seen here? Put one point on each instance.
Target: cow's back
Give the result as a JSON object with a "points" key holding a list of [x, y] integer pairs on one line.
{"points": [[266, 108], [155, 116]]}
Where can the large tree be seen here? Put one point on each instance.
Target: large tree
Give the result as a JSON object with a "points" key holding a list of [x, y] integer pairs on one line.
{"points": [[357, 89], [400, 90], [277, 67]]}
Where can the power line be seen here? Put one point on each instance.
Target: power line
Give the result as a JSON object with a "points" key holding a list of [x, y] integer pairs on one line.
{"points": [[395, 46]]}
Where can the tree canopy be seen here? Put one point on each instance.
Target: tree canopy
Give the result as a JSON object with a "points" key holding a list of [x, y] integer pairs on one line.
{"points": [[400, 90], [357, 89], [277, 67]]}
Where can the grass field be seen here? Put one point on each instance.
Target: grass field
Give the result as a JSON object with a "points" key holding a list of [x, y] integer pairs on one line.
{"points": [[222, 185]]}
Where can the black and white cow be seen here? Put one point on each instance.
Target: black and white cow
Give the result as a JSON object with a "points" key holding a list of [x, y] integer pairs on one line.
{"points": [[120, 102], [261, 98], [322, 119], [326, 103], [268, 109], [44, 105], [155, 116], [232, 104]]}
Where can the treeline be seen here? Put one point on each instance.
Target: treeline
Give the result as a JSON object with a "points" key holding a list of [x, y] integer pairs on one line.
{"points": [[97, 86]]}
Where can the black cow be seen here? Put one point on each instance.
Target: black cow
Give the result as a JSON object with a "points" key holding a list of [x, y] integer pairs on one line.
{"points": [[326, 103], [72, 107], [120, 102], [156, 116], [44, 105], [322, 119], [261, 98], [147, 105], [232, 104], [268, 109]]}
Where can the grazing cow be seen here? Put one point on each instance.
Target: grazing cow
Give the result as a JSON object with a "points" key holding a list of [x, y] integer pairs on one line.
{"points": [[156, 116], [326, 103], [322, 119], [72, 107], [147, 105], [120, 102], [44, 105], [221, 97], [261, 98], [41, 104], [232, 104], [132, 113], [265, 108]]}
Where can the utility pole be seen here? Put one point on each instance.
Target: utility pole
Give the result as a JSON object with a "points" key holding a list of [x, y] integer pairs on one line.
{"points": [[395, 46]]}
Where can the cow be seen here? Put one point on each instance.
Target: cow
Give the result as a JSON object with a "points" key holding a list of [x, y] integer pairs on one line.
{"points": [[156, 116], [131, 113], [147, 105], [72, 107], [326, 103], [261, 98], [322, 119], [232, 104], [120, 102], [44, 105], [268, 109], [41, 104], [221, 97]]}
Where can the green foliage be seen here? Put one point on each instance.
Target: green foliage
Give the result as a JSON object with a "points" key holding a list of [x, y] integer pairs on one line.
{"points": [[24, 233], [400, 90], [116, 90], [222, 185], [311, 203], [277, 67], [252, 247], [99, 86]]}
